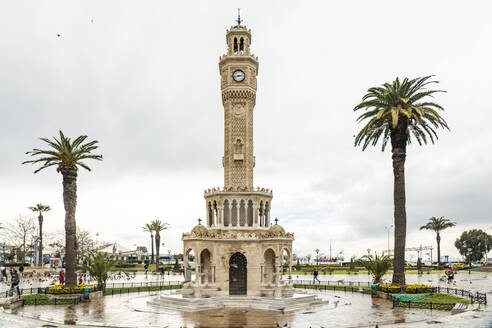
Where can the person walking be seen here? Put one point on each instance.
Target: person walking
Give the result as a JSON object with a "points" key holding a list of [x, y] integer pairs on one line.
{"points": [[21, 270], [61, 276], [80, 278], [4, 273], [146, 267], [315, 276], [14, 282]]}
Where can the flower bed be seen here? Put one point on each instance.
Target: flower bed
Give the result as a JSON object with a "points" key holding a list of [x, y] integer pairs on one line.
{"points": [[61, 289], [410, 289]]}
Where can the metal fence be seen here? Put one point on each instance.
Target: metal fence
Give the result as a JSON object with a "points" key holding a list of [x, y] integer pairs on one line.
{"points": [[54, 301], [474, 297], [46, 290], [334, 283]]}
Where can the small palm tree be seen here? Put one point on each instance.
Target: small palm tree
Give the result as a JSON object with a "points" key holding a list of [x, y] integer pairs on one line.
{"points": [[67, 156], [148, 228], [157, 227], [437, 225], [376, 265], [395, 112], [40, 208], [98, 266]]}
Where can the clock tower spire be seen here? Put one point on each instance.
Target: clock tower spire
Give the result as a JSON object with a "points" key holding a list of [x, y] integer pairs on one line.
{"points": [[238, 69]]}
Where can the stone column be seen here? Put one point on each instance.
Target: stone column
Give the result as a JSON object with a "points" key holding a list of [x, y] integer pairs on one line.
{"points": [[255, 216], [220, 210], [185, 264], [290, 265], [238, 219], [198, 276]]}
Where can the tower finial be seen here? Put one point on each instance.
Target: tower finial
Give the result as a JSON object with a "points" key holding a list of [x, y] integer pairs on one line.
{"points": [[238, 17]]}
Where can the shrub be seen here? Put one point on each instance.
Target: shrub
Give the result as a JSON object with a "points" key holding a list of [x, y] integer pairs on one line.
{"points": [[126, 265], [11, 264]]}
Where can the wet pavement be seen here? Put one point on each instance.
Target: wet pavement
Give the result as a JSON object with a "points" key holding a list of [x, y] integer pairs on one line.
{"points": [[344, 310], [351, 310]]}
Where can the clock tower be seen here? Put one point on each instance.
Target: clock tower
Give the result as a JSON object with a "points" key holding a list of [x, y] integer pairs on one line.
{"points": [[238, 251], [238, 69]]}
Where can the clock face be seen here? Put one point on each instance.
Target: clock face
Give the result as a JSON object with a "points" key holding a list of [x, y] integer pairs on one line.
{"points": [[238, 75]]}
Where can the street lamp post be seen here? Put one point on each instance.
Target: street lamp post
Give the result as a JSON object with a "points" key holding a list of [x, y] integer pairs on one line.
{"points": [[388, 229], [469, 259], [317, 256]]}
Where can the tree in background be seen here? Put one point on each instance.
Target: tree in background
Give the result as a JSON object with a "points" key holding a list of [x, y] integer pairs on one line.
{"points": [[478, 241], [19, 232], [157, 227], [85, 242], [395, 112], [40, 208], [376, 265], [67, 156], [437, 225], [148, 228]]}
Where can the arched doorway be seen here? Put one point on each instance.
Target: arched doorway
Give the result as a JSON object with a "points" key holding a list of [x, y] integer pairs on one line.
{"points": [[269, 271], [238, 274], [205, 267]]}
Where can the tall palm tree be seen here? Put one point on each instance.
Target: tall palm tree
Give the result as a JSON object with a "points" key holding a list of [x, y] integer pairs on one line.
{"points": [[148, 228], [40, 208], [67, 155], [395, 112], [437, 225], [157, 227]]}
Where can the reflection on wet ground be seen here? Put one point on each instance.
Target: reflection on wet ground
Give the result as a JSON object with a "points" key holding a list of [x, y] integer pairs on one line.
{"points": [[343, 310], [132, 311]]}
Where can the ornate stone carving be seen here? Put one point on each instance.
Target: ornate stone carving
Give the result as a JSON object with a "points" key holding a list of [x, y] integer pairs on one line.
{"points": [[200, 233]]}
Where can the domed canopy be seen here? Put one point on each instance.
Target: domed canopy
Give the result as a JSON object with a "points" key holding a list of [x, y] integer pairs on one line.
{"points": [[199, 229], [277, 229]]}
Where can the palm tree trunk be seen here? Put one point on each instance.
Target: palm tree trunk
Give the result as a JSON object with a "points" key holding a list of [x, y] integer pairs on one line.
{"points": [[40, 251], [438, 239], [70, 203], [152, 246], [157, 244], [400, 216]]}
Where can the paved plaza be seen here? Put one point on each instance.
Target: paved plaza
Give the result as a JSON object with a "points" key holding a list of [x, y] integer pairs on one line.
{"points": [[343, 310], [340, 310]]}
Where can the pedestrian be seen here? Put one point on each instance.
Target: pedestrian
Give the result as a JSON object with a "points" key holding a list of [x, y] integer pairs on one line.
{"points": [[2, 276], [21, 270], [450, 277], [61, 277], [4, 273], [14, 282], [162, 272], [80, 278], [146, 267], [315, 276]]}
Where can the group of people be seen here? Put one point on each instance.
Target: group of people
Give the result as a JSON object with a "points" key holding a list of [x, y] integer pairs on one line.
{"points": [[14, 278]]}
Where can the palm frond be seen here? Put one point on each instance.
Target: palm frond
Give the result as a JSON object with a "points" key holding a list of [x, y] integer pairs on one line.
{"points": [[399, 105]]}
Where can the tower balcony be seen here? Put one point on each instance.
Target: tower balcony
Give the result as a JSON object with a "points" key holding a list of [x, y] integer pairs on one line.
{"points": [[238, 208]]}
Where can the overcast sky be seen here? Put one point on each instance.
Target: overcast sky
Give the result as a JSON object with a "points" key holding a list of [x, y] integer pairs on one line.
{"points": [[142, 78]]}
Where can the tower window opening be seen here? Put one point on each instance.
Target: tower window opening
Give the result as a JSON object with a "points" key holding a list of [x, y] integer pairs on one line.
{"points": [[241, 46], [210, 215], [235, 46], [227, 213]]}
